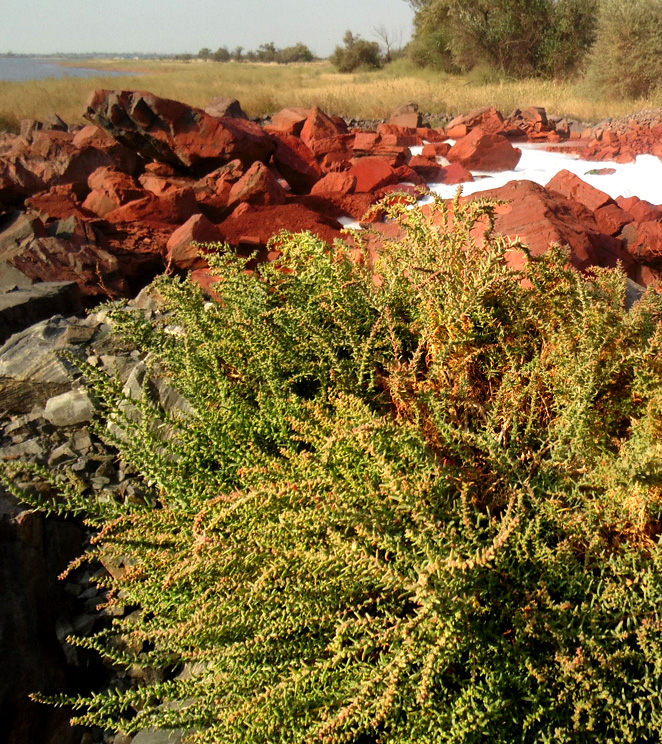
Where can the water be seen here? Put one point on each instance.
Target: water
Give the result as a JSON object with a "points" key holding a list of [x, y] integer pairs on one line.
{"points": [[20, 69]]}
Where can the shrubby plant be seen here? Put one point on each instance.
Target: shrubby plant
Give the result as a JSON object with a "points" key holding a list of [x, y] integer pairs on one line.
{"points": [[415, 499], [519, 38], [626, 60], [356, 53]]}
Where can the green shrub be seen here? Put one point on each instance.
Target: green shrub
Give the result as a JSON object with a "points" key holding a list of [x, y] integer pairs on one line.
{"points": [[296, 53], [357, 53], [415, 501], [626, 61], [515, 37]]}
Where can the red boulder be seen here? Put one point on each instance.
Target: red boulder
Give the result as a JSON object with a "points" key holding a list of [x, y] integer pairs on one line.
{"points": [[257, 186], [181, 251], [572, 186], [172, 208], [172, 132], [372, 174], [296, 163], [485, 152]]}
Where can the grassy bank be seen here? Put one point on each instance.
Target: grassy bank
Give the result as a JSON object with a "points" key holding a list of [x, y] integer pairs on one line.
{"points": [[263, 89]]}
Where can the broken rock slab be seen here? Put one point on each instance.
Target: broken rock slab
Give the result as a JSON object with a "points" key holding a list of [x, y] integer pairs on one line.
{"points": [[171, 132], [69, 409], [25, 306]]}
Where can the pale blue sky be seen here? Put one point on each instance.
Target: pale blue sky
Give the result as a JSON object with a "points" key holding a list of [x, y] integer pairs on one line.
{"points": [[175, 26]]}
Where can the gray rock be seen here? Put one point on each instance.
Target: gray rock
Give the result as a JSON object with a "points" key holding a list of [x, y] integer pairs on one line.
{"points": [[11, 278], [228, 107], [70, 408], [158, 736], [634, 292], [28, 355], [18, 234], [29, 448], [27, 305]]}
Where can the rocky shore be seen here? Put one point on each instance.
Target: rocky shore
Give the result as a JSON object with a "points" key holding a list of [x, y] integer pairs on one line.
{"points": [[96, 212]]}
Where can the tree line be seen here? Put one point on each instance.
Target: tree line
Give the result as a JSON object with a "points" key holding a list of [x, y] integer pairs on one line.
{"points": [[616, 44], [267, 52]]}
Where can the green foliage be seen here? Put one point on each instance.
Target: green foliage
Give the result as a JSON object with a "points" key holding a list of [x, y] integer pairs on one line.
{"points": [[415, 500], [222, 55], [626, 60], [356, 53], [515, 37], [295, 53]]}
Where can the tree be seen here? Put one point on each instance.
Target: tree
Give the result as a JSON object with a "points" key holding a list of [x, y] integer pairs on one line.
{"points": [[626, 60], [266, 52], [515, 37], [205, 53], [296, 53], [221, 55], [391, 42], [356, 53]]}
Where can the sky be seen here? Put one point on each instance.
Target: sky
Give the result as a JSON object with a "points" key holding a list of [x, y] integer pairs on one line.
{"points": [[178, 26]]}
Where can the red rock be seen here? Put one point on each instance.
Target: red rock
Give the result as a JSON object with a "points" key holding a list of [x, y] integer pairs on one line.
{"points": [[364, 142], [73, 251], [92, 136], [59, 202], [261, 223], [407, 137], [296, 163], [207, 281], [387, 146], [640, 209], [99, 203], [542, 217], [289, 121], [372, 173], [257, 186], [410, 120], [431, 135], [110, 188], [644, 242], [180, 249], [535, 115], [572, 186], [324, 134], [611, 219], [457, 131], [336, 205], [401, 188], [647, 276], [336, 161], [52, 159], [172, 132], [212, 192], [488, 119], [173, 208], [159, 185], [455, 173], [335, 183], [436, 150], [428, 169], [17, 182], [488, 152], [409, 175], [161, 169]]}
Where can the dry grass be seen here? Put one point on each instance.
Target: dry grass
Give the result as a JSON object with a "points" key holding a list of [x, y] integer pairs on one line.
{"points": [[263, 89]]}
